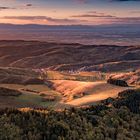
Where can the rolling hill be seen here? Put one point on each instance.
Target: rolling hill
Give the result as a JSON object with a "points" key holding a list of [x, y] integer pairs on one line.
{"points": [[63, 75], [75, 57], [132, 77], [77, 93], [11, 75]]}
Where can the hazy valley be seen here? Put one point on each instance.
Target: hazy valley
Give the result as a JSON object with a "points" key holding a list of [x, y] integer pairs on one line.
{"points": [[60, 91], [69, 69], [63, 75]]}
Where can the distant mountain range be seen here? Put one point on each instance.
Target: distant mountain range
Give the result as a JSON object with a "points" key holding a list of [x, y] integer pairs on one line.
{"points": [[39, 26], [83, 34]]}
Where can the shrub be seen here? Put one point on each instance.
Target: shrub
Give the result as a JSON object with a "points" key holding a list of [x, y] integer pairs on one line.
{"points": [[34, 81], [9, 92], [117, 82]]}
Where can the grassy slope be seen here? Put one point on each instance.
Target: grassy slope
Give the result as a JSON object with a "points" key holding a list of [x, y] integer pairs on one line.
{"points": [[70, 89], [68, 56], [30, 99], [77, 93]]}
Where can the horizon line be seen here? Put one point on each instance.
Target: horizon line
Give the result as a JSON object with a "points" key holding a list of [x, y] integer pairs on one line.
{"points": [[66, 24]]}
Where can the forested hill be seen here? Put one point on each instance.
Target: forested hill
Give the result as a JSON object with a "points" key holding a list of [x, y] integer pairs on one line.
{"points": [[113, 119]]}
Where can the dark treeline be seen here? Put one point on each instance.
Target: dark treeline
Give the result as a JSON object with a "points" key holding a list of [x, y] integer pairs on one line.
{"points": [[117, 82], [113, 119]]}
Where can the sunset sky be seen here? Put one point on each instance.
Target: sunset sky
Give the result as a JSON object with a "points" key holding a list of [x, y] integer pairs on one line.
{"points": [[68, 12]]}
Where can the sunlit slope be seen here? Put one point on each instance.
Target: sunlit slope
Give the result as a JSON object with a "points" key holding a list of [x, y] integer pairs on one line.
{"points": [[78, 93], [59, 89]]}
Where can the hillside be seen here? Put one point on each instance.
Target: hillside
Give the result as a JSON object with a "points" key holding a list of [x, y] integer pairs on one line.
{"points": [[33, 54], [11, 75], [49, 86], [76, 93], [63, 75], [119, 119], [55, 89], [132, 77]]}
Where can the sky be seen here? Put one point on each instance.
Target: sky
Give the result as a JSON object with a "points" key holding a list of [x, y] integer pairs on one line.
{"points": [[70, 12]]}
